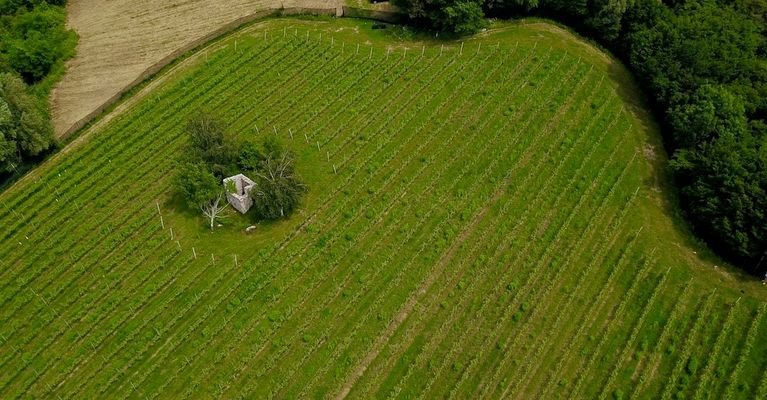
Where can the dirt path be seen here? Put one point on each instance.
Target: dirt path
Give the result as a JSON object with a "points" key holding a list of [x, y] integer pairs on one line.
{"points": [[411, 302], [121, 39]]}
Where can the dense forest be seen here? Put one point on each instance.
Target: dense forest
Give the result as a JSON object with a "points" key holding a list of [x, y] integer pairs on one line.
{"points": [[34, 43], [703, 65]]}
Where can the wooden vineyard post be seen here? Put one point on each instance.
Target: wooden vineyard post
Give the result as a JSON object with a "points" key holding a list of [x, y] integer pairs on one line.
{"points": [[461, 51], [441, 49], [194, 253]]}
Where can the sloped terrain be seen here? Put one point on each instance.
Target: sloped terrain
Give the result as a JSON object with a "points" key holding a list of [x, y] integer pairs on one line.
{"points": [[482, 222]]}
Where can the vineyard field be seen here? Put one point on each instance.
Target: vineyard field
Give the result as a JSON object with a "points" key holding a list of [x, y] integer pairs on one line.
{"points": [[486, 218]]}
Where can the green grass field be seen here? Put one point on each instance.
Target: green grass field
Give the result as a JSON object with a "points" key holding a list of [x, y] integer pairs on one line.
{"points": [[485, 219]]}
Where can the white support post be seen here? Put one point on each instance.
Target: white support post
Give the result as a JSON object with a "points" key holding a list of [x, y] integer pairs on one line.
{"points": [[257, 131], [194, 253], [306, 137], [275, 129], [171, 233], [461, 52], [162, 224], [235, 261], [291, 133], [334, 169], [318, 145], [423, 50], [327, 153], [441, 49], [358, 49], [371, 53]]}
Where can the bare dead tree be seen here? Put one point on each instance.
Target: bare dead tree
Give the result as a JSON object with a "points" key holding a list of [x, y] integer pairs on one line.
{"points": [[213, 210]]}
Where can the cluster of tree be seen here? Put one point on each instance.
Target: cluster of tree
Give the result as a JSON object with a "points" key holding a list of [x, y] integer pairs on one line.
{"points": [[34, 43], [703, 64], [25, 131], [212, 156], [34, 38]]}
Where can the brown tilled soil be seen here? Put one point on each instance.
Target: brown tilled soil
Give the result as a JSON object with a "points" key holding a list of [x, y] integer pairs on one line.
{"points": [[121, 39]]}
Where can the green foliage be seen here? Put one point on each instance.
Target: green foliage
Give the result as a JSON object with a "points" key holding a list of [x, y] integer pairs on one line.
{"points": [[702, 61], [209, 144], [692, 366], [25, 132], [278, 190], [197, 184], [213, 155], [459, 17], [34, 38], [300, 278]]}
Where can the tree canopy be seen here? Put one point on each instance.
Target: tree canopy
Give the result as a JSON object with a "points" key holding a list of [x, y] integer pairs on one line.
{"points": [[25, 131], [34, 43], [278, 190], [212, 155]]}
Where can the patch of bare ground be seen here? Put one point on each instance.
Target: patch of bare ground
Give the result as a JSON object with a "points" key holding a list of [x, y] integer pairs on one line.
{"points": [[121, 39]]}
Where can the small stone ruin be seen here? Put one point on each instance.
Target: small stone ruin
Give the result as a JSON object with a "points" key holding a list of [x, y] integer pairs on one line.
{"points": [[238, 189]]}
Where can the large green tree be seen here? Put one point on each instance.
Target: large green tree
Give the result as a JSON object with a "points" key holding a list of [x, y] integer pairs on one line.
{"points": [[25, 131], [210, 144], [459, 17], [278, 189]]}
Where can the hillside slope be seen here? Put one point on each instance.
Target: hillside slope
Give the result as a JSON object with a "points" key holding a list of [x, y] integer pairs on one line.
{"points": [[485, 219]]}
